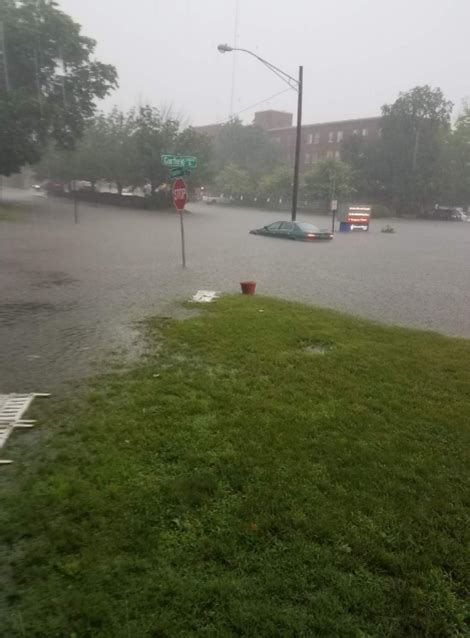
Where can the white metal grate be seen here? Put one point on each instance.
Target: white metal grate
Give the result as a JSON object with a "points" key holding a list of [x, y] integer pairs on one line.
{"points": [[12, 409]]}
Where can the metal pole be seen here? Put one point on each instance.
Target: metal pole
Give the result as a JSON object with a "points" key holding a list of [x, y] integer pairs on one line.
{"points": [[415, 150], [183, 250], [298, 140], [5, 57], [75, 206], [333, 196]]}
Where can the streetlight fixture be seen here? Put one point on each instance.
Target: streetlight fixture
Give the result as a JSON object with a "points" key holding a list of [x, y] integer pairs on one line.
{"points": [[296, 85]]}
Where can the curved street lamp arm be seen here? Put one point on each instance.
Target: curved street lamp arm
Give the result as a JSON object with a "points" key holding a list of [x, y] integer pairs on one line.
{"points": [[285, 77]]}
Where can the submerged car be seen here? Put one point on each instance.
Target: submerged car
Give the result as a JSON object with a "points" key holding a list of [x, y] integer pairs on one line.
{"points": [[445, 213], [302, 231]]}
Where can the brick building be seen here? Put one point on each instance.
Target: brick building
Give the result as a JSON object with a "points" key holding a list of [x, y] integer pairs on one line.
{"points": [[319, 141]]}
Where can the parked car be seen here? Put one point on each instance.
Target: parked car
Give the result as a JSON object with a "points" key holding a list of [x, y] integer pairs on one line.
{"points": [[53, 187], [302, 231], [445, 213], [215, 199]]}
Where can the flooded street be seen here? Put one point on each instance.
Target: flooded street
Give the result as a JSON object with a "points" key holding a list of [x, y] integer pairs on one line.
{"points": [[70, 293]]}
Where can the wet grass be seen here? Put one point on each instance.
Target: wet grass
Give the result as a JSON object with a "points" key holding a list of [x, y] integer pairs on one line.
{"points": [[12, 211], [233, 484]]}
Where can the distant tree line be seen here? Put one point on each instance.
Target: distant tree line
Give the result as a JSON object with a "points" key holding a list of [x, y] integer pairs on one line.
{"points": [[419, 160], [125, 148]]}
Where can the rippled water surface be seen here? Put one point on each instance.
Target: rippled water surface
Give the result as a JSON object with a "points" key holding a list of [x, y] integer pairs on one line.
{"points": [[71, 293]]}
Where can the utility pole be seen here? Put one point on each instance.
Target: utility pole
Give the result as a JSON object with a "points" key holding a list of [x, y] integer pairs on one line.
{"points": [[4, 57], [298, 143], [296, 85], [415, 150]]}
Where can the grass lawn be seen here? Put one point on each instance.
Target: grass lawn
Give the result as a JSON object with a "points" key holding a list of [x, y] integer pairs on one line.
{"points": [[10, 211], [270, 469]]}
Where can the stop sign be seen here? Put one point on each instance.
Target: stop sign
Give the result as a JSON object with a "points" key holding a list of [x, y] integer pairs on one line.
{"points": [[180, 195]]}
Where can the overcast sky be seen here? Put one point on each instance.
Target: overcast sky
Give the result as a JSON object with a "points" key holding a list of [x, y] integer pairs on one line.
{"points": [[357, 54]]}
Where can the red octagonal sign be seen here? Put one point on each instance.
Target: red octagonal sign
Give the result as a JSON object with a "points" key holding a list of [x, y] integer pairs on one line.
{"points": [[180, 194]]}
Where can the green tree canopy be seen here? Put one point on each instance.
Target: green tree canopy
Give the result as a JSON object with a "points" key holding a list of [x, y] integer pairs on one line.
{"points": [[415, 131], [277, 185], [366, 158], [248, 147], [459, 188], [330, 178], [49, 81], [191, 142], [125, 147], [233, 180]]}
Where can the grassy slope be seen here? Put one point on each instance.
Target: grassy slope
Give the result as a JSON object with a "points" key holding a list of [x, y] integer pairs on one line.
{"points": [[235, 484]]}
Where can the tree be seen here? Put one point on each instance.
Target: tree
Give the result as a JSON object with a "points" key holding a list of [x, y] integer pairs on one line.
{"points": [[366, 158], [460, 159], [156, 134], [330, 178], [235, 181], [415, 131], [191, 142], [248, 147], [106, 150], [49, 81], [277, 185], [125, 147]]}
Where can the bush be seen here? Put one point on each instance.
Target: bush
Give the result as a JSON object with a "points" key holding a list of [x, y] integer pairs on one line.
{"points": [[380, 210]]}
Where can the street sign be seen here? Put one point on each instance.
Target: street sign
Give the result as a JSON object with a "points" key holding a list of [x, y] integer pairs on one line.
{"points": [[334, 204], [179, 172], [179, 161], [180, 195]]}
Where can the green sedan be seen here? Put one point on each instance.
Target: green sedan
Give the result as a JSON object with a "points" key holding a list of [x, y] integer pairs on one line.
{"points": [[303, 231]]}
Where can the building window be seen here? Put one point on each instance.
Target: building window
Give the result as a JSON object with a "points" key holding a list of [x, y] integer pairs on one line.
{"points": [[314, 158], [380, 132], [316, 139], [307, 158], [364, 132], [330, 154], [355, 132], [339, 136], [337, 155], [331, 137], [310, 138]]}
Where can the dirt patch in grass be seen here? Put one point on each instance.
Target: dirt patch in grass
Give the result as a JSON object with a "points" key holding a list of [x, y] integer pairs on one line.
{"points": [[230, 485]]}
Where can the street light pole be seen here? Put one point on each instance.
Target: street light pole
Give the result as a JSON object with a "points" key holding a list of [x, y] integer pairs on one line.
{"points": [[297, 85], [298, 142]]}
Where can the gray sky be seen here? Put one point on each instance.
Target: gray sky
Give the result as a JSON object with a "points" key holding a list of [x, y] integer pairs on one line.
{"points": [[357, 54]]}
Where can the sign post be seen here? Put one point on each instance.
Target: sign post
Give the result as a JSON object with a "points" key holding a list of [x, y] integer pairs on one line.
{"points": [[180, 197], [179, 166], [334, 210]]}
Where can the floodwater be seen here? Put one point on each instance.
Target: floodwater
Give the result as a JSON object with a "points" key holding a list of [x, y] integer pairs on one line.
{"points": [[71, 293]]}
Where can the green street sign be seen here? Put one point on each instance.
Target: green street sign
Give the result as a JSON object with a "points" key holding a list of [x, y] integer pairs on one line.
{"points": [[179, 161], [179, 172]]}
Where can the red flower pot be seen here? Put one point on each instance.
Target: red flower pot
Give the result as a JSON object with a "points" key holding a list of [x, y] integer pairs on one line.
{"points": [[248, 287]]}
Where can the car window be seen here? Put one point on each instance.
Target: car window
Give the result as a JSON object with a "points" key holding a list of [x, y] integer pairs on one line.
{"points": [[274, 226], [286, 226]]}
